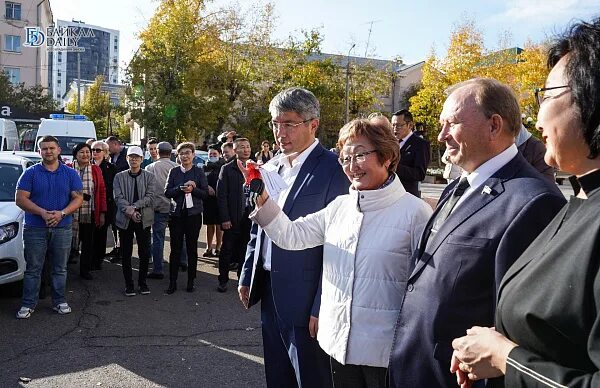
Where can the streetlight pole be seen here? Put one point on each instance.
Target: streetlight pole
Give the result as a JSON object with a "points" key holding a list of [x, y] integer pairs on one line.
{"points": [[346, 117]]}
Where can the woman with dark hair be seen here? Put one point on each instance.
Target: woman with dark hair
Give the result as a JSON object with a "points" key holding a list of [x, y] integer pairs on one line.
{"points": [[368, 238], [187, 187], [265, 154], [102, 159], [92, 213], [210, 205], [547, 319]]}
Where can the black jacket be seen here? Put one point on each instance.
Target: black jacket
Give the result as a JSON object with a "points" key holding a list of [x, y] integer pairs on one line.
{"points": [[414, 158], [230, 194], [108, 174], [177, 178], [121, 163], [212, 170]]}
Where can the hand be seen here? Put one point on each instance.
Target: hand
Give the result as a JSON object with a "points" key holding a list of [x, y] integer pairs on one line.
{"points": [[313, 326], [462, 378], [190, 183], [482, 353], [129, 211], [102, 220], [226, 225], [246, 170], [53, 218], [244, 293], [211, 191], [137, 217], [187, 188]]}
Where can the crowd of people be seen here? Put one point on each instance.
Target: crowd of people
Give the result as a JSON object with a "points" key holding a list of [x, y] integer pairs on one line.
{"points": [[361, 283]]}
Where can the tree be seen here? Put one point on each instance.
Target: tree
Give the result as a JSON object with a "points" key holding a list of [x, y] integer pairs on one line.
{"points": [[95, 105], [29, 98]]}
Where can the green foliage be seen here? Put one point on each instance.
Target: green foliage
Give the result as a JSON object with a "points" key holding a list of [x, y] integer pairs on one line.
{"points": [[29, 98], [95, 105]]}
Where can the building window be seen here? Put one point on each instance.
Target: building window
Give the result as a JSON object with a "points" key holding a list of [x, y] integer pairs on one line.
{"points": [[12, 43], [13, 74], [13, 11]]}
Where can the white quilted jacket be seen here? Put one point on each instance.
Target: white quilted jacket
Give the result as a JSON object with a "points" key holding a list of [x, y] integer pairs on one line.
{"points": [[368, 238]]}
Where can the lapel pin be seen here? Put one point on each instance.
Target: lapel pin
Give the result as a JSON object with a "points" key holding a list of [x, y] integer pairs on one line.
{"points": [[486, 190]]}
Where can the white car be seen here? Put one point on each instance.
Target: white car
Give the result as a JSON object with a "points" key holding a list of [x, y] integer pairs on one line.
{"points": [[12, 260], [33, 156]]}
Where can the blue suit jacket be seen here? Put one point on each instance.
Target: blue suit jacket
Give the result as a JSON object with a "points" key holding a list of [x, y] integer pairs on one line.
{"points": [[455, 281], [296, 275]]}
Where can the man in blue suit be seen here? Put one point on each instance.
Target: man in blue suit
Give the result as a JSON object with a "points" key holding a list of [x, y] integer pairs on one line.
{"points": [[480, 227], [288, 282]]}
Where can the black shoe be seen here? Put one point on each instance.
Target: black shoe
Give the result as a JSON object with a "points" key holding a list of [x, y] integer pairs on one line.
{"points": [[144, 290], [129, 291], [183, 268], [190, 286], [115, 252], [116, 259], [153, 275], [216, 253], [86, 276], [172, 288], [222, 287], [207, 253]]}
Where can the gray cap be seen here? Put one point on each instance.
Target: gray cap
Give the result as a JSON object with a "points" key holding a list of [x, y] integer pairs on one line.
{"points": [[165, 146]]}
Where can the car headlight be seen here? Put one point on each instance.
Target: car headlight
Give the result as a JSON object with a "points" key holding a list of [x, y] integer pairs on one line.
{"points": [[8, 232]]}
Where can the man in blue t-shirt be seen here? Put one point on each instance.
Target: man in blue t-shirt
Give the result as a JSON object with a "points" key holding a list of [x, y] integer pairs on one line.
{"points": [[48, 192]]}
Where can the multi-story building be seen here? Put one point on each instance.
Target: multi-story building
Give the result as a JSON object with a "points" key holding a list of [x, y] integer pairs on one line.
{"points": [[24, 64], [100, 56]]}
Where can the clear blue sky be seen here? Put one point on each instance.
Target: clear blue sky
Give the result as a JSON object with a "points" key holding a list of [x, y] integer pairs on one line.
{"points": [[405, 28]]}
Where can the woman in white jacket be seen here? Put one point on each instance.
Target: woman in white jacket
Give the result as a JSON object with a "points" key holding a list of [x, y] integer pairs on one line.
{"points": [[369, 236]]}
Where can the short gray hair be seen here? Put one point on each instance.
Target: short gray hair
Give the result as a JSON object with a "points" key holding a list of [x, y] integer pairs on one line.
{"points": [[298, 100]]}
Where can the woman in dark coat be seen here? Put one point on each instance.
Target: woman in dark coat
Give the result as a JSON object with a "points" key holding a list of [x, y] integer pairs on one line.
{"points": [[101, 159], [548, 313], [211, 208]]}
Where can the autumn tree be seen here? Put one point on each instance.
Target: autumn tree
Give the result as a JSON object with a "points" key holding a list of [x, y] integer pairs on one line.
{"points": [[29, 98]]}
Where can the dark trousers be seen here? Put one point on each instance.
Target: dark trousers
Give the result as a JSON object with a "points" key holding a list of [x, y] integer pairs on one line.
{"points": [[180, 227], [100, 237], [142, 235], [86, 237], [357, 376], [292, 357], [233, 248]]}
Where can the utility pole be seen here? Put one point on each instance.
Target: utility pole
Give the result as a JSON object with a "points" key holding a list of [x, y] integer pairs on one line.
{"points": [[369, 36], [346, 117], [78, 84]]}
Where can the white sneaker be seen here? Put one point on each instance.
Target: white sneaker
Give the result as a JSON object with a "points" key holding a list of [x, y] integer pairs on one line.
{"points": [[62, 308], [24, 313]]}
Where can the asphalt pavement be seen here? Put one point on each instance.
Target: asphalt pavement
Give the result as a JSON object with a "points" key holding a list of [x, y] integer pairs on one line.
{"points": [[199, 339]]}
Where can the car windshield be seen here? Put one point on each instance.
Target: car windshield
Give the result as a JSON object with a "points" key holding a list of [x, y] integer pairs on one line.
{"points": [[9, 174], [67, 143]]}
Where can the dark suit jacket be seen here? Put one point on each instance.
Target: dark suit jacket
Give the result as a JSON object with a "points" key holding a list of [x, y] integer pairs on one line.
{"points": [[456, 276], [414, 159], [533, 151], [121, 163], [230, 194], [296, 275]]}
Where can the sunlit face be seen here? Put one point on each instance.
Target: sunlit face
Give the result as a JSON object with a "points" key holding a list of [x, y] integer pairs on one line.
{"points": [[294, 139], [186, 156], [135, 161], [212, 153], [242, 150], [228, 153], [560, 123], [463, 130], [49, 151], [114, 147], [83, 156], [98, 152], [369, 174], [153, 150], [401, 127]]}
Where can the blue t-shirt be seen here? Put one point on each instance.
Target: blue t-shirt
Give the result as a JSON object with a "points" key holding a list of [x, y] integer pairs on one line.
{"points": [[50, 190]]}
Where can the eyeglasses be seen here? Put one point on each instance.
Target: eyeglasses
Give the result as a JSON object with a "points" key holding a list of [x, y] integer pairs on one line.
{"points": [[540, 95], [358, 158], [278, 125], [97, 150]]}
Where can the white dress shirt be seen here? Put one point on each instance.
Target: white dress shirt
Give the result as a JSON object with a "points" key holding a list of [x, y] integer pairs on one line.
{"points": [[405, 138], [485, 171], [289, 172]]}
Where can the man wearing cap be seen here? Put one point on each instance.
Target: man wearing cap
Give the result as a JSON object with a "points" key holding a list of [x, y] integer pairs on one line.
{"points": [[134, 191], [162, 206]]}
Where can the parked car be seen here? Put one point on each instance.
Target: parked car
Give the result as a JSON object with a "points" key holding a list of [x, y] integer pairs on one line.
{"points": [[201, 158], [12, 260], [35, 157]]}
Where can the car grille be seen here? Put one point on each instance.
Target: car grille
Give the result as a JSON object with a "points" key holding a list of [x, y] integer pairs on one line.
{"points": [[8, 266]]}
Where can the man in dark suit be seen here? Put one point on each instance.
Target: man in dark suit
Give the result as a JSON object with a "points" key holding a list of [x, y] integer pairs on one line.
{"points": [[288, 282], [481, 226], [415, 152]]}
